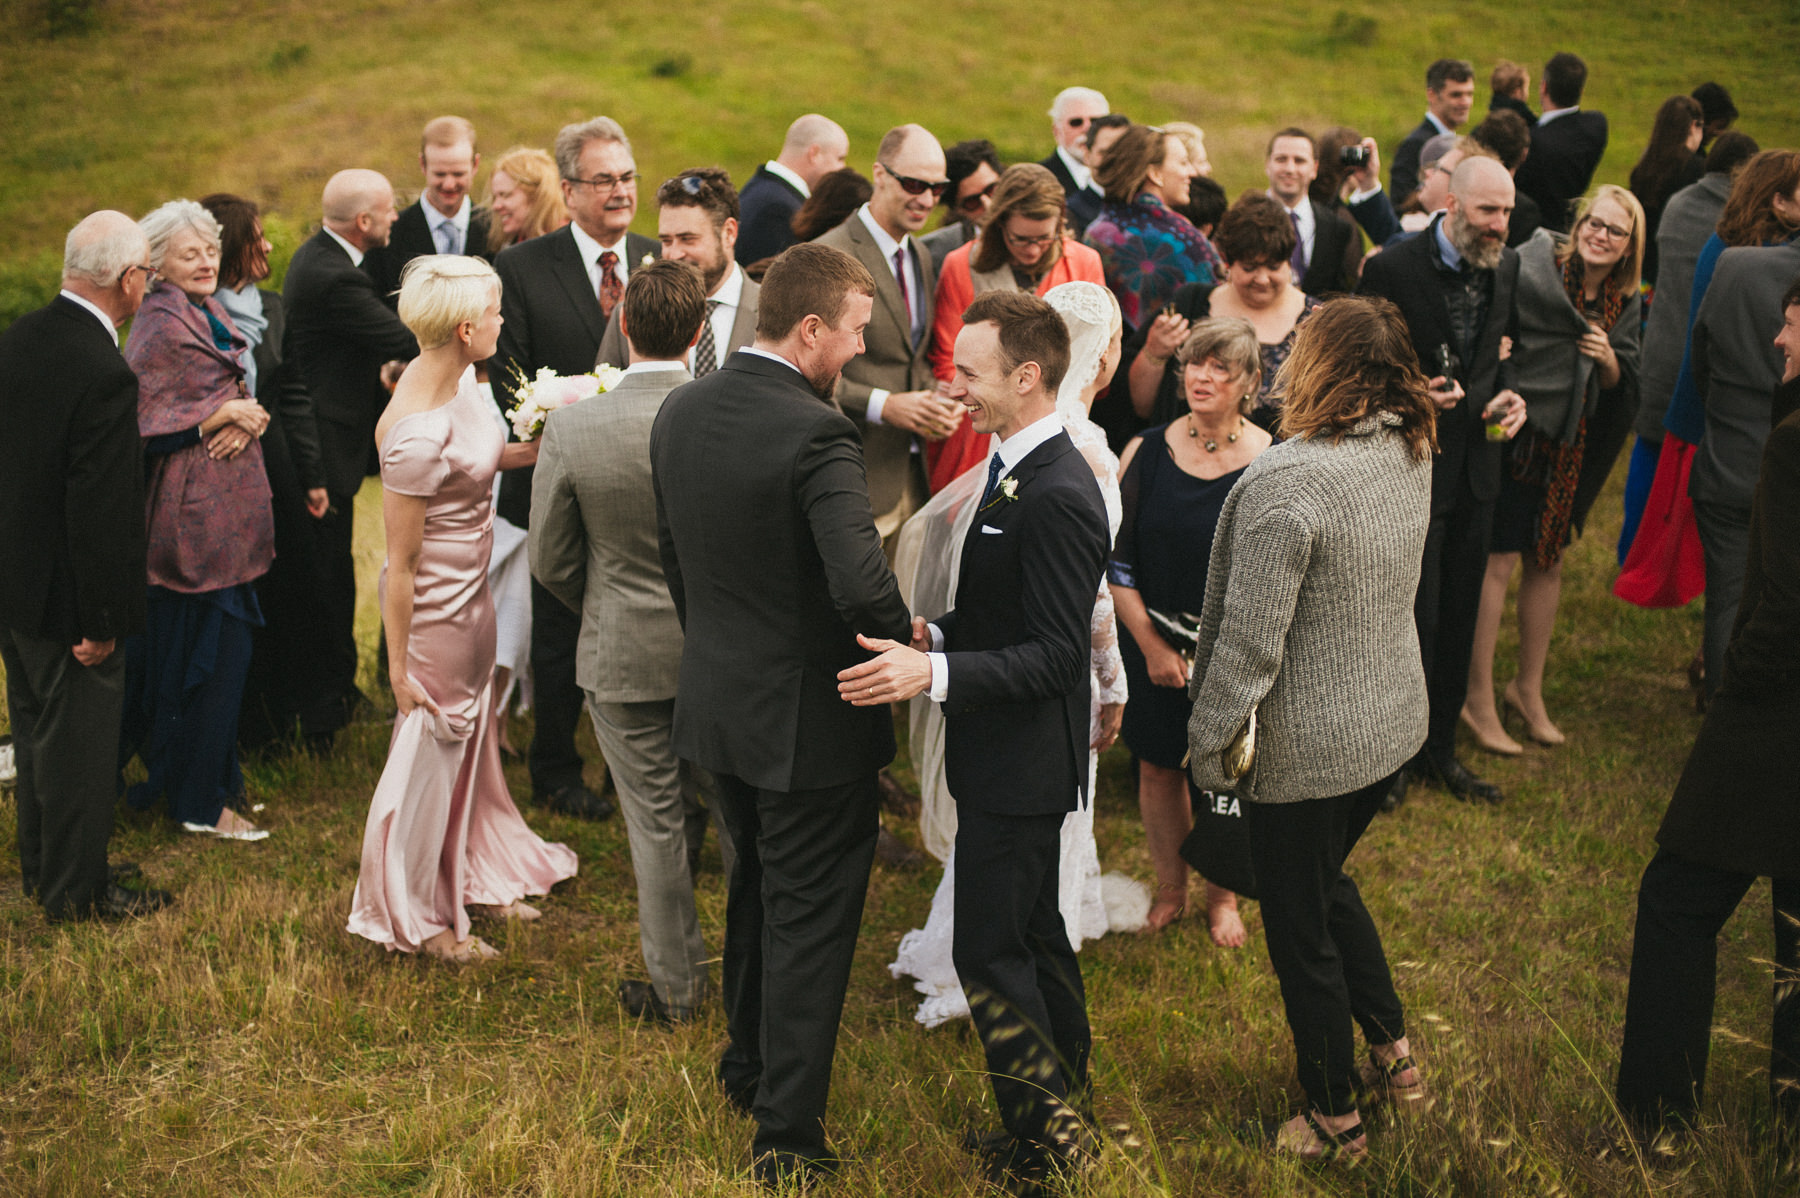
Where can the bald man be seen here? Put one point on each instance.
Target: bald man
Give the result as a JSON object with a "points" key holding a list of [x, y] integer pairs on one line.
{"points": [[339, 335], [815, 146], [72, 563], [1454, 283]]}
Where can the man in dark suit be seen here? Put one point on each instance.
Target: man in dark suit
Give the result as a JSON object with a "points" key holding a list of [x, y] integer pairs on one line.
{"points": [[815, 146], [558, 291], [772, 560], [1455, 284], [1735, 817], [696, 221], [72, 563], [339, 336], [889, 390], [1449, 94], [1072, 114], [1566, 144], [444, 220], [1010, 666], [1327, 247]]}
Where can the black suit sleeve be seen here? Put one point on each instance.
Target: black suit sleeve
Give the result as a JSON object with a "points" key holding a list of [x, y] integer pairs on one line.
{"points": [[1062, 554], [833, 492], [354, 309], [103, 504], [1376, 216], [514, 347], [1764, 658]]}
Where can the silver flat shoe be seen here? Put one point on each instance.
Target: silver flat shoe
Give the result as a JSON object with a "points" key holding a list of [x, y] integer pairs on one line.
{"points": [[248, 834]]}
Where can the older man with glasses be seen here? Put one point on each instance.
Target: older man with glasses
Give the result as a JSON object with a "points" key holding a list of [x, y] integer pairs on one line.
{"points": [[559, 290], [1071, 115]]}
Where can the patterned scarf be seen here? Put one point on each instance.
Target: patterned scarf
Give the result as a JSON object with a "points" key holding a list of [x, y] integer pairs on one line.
{"points": [[1561, 463]]}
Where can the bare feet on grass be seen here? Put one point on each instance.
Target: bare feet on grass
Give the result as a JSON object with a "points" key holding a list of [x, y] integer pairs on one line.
{"points": [[1222, 919], [1170, 905], [446, 947]]}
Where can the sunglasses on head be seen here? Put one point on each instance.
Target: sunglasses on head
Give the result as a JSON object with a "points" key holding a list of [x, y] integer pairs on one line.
{"points": [[914, 187], [973, 203]]}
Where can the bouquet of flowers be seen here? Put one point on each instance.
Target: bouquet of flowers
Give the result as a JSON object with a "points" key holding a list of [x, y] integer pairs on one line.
{"points": [[538, 397]]}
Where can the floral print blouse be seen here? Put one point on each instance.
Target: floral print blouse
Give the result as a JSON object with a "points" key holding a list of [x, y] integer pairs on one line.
{"points": [[1147, 252]]}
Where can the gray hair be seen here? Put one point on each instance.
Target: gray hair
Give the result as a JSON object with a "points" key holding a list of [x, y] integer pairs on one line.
{"points": [[1231, 340], [1069, 94], [571, 140], [161, 226], [101, 248], [1434, 150]]}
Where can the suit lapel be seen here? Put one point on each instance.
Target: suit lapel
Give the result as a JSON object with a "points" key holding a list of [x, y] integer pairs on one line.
{"points": [[886, 289], [571, 273], [743, 325]]}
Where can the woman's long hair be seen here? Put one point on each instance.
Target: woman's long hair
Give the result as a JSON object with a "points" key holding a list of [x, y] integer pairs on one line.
{"points": [[1028, 190], [1667, 157], [1749, 217], [1629, 271], [1125, 170], [834, 197], [1353, 358], [534, 172]]}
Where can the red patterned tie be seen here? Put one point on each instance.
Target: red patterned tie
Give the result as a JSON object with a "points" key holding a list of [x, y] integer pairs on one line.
{"points": [[611, 287]]}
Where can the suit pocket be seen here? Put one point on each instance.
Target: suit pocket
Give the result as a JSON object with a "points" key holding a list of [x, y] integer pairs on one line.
{"points": [[991, 530]]}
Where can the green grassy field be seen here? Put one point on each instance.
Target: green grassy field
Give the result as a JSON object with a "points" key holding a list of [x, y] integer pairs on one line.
{"points": [[242, 1043]]}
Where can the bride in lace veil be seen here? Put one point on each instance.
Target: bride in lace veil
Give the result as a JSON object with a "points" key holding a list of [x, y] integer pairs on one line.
{"points": [[927, 560]]}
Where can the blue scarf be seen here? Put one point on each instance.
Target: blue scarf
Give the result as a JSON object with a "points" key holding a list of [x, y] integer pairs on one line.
{"points": [[245, 307]]}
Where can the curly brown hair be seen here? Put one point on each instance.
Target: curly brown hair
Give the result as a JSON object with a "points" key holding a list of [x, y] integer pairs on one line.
{"points": [[1352, 359], [1255, 230], [1749, 216]]}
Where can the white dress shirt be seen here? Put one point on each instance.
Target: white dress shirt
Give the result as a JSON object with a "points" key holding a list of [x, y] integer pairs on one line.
{"points": [[1437, 124], [1556, 112], [1078, 171], [654, 367], [793, 180], [1308, 225], [887, 245], [112, 330], [356, 255], [591, 250], [771, 356], [1011, 452], [724, 314], [459, 225]]}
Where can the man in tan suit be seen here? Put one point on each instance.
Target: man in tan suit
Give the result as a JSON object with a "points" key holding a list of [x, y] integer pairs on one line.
{"points": [[889, 390], [593, 546], [697, 222]]}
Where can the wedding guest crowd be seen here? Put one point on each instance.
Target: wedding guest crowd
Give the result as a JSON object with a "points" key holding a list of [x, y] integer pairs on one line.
{"points": [[1346, 415]]}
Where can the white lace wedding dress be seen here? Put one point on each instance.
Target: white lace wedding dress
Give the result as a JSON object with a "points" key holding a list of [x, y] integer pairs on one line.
{"points": [[927, 560]]}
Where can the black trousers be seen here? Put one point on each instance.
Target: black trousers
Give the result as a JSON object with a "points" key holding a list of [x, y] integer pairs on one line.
{"points": [[336, 676], [65, 722], [1023, 981], [1324, 947], [553, 759], [1674, 974], [1449, 597], [792, 914]]}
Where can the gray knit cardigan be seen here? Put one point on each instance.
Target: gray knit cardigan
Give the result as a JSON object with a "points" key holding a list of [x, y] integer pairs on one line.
{"points": [[1308, 619]]}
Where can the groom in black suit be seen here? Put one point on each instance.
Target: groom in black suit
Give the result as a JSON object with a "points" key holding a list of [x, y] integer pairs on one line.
{"points": [[770, 552], [1010, 665]]}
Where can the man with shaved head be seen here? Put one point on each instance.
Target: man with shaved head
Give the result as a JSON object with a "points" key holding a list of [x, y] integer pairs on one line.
{"points": [[339, 335], [889, 391], [1455, 283], [72, 564], [815, 146]]}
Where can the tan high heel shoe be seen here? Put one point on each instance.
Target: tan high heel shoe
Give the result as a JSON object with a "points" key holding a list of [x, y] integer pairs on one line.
{"points": [[1545, 733], [1501, 745]]}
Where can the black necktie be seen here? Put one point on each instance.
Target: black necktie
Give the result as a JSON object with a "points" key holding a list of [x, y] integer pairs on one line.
{"points": [[993, 479]]}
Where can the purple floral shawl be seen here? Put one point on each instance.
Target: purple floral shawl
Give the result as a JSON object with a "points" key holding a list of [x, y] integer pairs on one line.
{"points": [[210, 524]]}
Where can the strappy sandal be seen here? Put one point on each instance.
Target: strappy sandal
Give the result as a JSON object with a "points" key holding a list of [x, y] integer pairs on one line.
{"points": [[1398, 1082], [1171, 899], [1309, 1141]]}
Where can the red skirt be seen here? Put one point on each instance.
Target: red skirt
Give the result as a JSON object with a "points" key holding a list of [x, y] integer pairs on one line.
{"points": [[1665, 567]]}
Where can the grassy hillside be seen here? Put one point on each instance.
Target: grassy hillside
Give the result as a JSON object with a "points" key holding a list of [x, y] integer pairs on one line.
{"points": [[136, 101]]}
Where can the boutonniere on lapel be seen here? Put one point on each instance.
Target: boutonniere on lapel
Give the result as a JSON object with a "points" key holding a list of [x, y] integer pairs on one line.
{"points": [[1007, 491], [648, 259]]}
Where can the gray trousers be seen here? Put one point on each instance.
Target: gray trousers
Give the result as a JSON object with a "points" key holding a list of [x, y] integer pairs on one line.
{"points": [[664, 820], [65, 723], [1725, 541]]}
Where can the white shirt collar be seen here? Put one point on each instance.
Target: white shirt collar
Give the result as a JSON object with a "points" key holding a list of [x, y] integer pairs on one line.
{"points": [[731, 291], [356, 255], [1437, 124], [1078, 171], [590, 251], [887, 245], [795, 181], [434, 218], [1302, 210], [1556, 112], [772, 356], [1012, 451], [112, 330], [654, 368]]}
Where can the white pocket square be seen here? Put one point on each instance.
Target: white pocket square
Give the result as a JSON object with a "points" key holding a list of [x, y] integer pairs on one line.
{"points": [[989, 528]]}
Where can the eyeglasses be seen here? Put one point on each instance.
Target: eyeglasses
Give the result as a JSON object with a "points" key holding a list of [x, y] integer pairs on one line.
{"points": [[915, 187], [974, 203], [149, 273], [1027, 242], [1612, 231], [605, 182]]}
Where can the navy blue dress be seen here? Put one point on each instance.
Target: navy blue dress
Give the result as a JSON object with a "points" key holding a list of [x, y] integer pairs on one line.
{"points": [[1164, 543]]}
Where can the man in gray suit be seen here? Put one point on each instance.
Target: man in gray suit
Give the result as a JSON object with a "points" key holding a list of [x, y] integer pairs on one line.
{"points": [[1736, 368], [697, 222], [889, 390], [593, 545]]}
